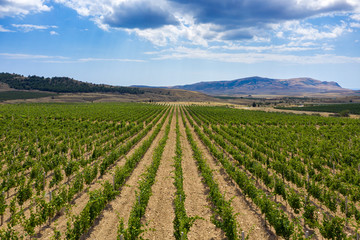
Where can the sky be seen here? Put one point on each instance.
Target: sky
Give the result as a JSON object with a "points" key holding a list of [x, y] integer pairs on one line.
{"points": [[176, 42]]}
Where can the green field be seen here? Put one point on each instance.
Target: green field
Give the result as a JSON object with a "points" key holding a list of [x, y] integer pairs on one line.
{"points": [[353, 108], [12, 95]]}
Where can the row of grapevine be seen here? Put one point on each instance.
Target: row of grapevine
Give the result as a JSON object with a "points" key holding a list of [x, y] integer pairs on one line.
{"points": [[223, 213], [182, 222], [134, 226]]}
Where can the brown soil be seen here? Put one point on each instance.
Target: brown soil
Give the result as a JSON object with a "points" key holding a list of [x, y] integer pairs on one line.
{"points": [[249, 217], [196, 203], [106, 225], [159, 213]]}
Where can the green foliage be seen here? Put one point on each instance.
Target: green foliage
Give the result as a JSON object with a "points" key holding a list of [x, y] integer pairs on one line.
{"points": [[24, 193], [182, 223], [310, 215], [57, 177], [9, 234], [97, 202], [332, 228], [342, 109], [295, 201], [60, 85], [280, 188], [2, 204], [11, 95]]}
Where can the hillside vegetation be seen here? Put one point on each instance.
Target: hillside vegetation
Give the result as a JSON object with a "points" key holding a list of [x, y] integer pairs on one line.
{"points": [[61, 85]]}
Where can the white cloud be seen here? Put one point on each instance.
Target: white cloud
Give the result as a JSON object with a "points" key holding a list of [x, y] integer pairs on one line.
{"points": [[29, 56], [302, 31], [90, 7], [187, 32], [191, 53], [31, 27], [356, 17], [54, 33], [62, 59], [2, 29], [108, 60], [239, 20], [355, 25], [267, 48], [22, 7]]}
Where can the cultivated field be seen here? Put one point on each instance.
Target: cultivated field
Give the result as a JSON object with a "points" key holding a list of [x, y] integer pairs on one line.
{"points": [[131, 170]]}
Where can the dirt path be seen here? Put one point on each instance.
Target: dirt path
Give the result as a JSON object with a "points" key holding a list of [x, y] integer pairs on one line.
{"points": [[82, 198], [106, 225], [160, 213], [249, 217], [196, 203]]}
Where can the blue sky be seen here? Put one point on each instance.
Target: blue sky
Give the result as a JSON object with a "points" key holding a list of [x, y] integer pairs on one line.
{"points": [[172, 42]]}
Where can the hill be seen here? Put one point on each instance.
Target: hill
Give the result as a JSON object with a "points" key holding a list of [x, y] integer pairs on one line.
{"points": [[18, 88], [266, 86], [61, 85]]}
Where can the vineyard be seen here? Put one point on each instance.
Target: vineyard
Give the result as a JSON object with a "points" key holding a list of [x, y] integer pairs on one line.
{"points": [[353, 108], [152, 171]]}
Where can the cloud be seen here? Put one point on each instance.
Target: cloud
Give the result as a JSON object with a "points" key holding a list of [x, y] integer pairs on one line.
{"points": [[356, 17], [31, 27], [299, 31], [96, 9], [108, 60], [139, 14], [2, 29], [130, 14], [355, 25], [62, 59], [203, 21], [186, 32], [29, 56], [249, 58], [244, 13], [54, 33], [291, 47], [237, 35], [13, 8]]}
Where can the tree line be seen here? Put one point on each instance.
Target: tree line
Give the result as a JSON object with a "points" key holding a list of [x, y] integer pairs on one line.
{"points": [[61, 85]]}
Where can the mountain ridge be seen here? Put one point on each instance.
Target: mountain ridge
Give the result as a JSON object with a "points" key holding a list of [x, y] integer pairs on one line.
{"points": [[259, 85]]}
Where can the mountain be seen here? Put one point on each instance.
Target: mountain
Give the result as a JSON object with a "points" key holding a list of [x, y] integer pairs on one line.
{"points": [[265, 86]]}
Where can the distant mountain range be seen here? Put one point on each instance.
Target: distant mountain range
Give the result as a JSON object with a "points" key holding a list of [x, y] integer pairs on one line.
{"points": [[238, 87], [266, 86]]}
